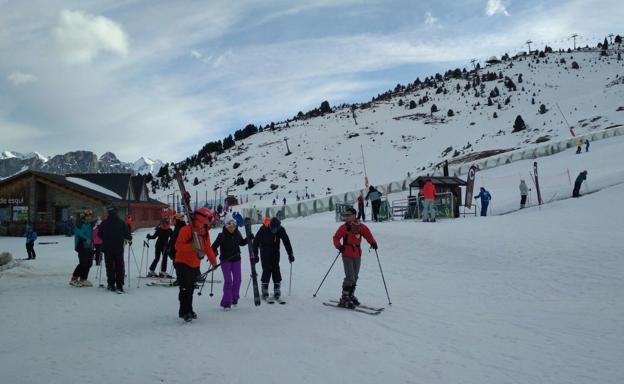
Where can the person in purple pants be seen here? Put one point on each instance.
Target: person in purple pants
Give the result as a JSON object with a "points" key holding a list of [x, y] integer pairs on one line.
{"points": [[227, 246]]}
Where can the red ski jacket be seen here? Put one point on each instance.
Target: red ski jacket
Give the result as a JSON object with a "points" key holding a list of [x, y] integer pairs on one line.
{"points": [[186, 254], [351, 236], [429, 191]]}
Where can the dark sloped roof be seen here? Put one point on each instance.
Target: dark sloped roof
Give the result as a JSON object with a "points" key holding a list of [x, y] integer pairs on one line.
{"points": [[437, 180], [138, 184], [116, 182]]}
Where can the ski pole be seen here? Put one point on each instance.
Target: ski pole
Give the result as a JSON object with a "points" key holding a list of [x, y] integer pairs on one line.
{"points": [[382, 278], [290, 279], [211, 283], [204, 275], [326, 274], [248, 284]]}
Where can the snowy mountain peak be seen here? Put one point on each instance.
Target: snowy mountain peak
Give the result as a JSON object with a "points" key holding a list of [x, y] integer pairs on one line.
{"points": [[22, 156], [146, 165]]}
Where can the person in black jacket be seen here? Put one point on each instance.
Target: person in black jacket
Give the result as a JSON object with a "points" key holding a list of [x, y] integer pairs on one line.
{"points": [[113, 232], [228, 244], [162, 233], [267, 239]]}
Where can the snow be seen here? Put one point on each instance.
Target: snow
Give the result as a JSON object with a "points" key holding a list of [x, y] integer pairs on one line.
{"points": [[326, 151], [22, 156], [532, 296], [92, 186], [145, 165]]}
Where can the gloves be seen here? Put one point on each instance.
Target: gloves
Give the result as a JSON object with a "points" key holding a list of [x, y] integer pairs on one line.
{"points": [[374, 246], [291, 258], [130, 242], [341, 248], [147, 236]]}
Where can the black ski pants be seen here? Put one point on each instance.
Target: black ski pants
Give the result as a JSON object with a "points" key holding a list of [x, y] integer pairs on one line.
{"points": [[30, 250], [361, 214], [187, 276], [115, 269], [85, 261], [160, 251], [270, 268], [576, 192], [375, 205], [97, 253]]}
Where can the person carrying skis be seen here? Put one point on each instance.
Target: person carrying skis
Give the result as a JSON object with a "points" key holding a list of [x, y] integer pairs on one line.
{"points": [[375, 197], [577, 184], [485, 200], [162, 233], [227, 246], [187, 259], [30, 236], [428, 193], [524, 192], [114, 231], [267, 240], [83, 236], [347, 240], [361, 214]]}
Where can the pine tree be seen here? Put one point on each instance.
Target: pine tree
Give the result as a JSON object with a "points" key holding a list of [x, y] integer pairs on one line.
{"points": [[519, 124]]}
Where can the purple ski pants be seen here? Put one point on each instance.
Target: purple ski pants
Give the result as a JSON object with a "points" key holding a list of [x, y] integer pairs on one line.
{"points": [[231, 282]]}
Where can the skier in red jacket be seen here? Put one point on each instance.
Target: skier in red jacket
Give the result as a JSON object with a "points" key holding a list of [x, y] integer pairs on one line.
{"points": [[347, 240], [429, 192]]}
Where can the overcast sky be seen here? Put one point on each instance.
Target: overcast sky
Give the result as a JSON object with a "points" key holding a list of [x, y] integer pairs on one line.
{"points": [[161, 78]]}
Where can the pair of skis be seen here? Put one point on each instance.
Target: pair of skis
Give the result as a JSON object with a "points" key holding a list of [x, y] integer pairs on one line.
{"points": [[360, 308]]}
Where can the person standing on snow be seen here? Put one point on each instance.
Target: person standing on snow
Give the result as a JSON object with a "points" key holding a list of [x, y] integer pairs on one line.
{"points": [[162, 233], [187, 259], [83, 236], [524, 192], [361, 214], [485, 200], [577, 184], [375, 197], [347, 240], [579, 146], [30, 236], [428, 193], [114, 231], [267, 240], [586, 145], [97, 243], [228, 244]]}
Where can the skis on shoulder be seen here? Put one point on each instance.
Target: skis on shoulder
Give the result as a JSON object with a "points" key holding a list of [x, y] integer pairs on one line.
{"points": [[254, 274], [356, 309]]}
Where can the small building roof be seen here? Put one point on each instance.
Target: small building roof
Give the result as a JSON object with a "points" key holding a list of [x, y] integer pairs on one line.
{"points": [[451, 181]]}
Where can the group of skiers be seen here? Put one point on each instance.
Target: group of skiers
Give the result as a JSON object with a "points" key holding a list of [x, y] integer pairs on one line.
{"points": [[107, 235]]}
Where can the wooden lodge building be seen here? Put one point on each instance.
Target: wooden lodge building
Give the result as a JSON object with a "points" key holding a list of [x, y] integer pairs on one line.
{"points": [[50, 201]]}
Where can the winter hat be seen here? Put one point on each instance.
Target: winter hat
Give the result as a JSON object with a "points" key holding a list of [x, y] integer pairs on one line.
{"points": [[351, 211], [266, 221], [229, 218], [111, 210]]}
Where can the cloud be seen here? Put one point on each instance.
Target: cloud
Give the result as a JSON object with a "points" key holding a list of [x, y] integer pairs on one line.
{"points": [[21, 78], [495, 6], [81, 37], [430, 19]]}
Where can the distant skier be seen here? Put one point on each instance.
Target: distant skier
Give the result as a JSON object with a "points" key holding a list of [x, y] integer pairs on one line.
{"points": [[30, 236], [227, 246], [284, 200], [361, 214], [524, 191], [83, 244], [586, 145], [188, 262], [485, 200], [162, 233], [577, 184], [375, 197], [347, 240], [579, 145], [429, 192], [114, 231], [267, 241]]}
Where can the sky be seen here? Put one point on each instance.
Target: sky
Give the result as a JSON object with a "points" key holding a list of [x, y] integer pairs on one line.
{"points": [[161, 78]]}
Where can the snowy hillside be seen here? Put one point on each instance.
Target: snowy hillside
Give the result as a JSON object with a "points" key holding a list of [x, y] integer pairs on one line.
{"points": [[327, 150], [22, 156], [528, 297]]}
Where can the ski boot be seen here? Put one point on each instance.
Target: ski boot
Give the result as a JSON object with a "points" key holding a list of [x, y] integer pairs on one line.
{"points": [[165, 275], [277, 292], [152, 274], [265, 291], [352, 297], [345, 301]]}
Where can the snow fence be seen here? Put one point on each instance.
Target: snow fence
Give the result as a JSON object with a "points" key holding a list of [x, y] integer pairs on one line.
{"points": [[328, 203]]}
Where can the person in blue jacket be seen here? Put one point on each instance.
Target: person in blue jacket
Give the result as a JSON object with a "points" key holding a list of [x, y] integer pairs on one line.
{"points": [[485, 200], [30, 236], [238, 218]]}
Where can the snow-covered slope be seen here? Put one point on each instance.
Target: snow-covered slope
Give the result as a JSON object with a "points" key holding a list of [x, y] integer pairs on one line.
{"points": [[528, 297], [22, 156], [327, 151]]}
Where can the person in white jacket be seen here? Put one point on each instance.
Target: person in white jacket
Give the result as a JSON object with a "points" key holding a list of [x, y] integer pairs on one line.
{"points": [[524, 191]]}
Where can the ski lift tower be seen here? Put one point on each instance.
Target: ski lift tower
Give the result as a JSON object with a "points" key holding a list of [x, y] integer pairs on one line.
{"points": [[287, 149]]}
